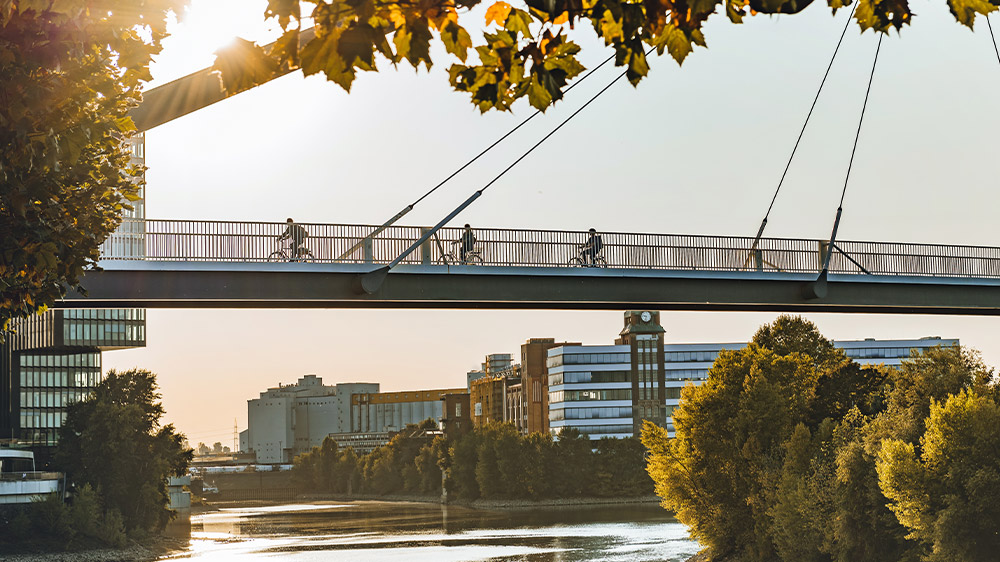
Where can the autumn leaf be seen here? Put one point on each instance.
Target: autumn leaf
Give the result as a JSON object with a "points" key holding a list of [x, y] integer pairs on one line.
{"points": [[965, 10], [497, 13], [456, 40]]}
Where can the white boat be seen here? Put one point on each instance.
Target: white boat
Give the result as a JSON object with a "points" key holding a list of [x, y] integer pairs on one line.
{"points": [[20, 482]]}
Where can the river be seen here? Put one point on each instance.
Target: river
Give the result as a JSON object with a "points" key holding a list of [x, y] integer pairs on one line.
{"points": [[425, 532]]}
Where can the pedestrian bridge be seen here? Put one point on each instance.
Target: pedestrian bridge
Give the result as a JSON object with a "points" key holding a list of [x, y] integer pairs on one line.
{"points": [[188, 264]]}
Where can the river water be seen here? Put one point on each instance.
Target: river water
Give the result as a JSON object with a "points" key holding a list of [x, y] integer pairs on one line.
{"points": [[418, 532]]}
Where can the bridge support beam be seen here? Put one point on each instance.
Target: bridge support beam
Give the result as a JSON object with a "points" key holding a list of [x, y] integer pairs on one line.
{"points": [[310, 285]]}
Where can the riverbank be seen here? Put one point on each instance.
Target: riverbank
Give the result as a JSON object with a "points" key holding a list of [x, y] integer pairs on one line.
{"points": [[153, 550]]}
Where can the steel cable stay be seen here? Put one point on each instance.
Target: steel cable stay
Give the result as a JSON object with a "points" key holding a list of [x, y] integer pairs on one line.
{"points": [[409, 207], [817, 289], [756, 255], [371, 281], [993, 37]]}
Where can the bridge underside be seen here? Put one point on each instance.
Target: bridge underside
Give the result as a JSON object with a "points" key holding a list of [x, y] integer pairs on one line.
{"points": [[310, 285]]}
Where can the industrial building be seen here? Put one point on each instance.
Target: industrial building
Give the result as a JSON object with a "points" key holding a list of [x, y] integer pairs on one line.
{"points": [[392, 411], [291, 419]]}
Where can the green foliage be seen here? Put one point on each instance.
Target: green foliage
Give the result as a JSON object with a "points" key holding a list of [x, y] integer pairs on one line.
{"points": [[85, 512], [50, 517], [719, 474], [494, 461], [615, 469], [111, 529], [18, 526], [790, 452], [120, 421], [524, 52], [947, 494], [69, 72], [464, 457]]}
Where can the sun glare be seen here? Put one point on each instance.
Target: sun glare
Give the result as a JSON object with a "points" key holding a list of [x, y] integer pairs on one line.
{"points": [[204, 27]]}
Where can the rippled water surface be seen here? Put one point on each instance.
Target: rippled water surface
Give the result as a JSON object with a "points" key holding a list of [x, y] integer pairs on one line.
{"points": [[387, 531]]}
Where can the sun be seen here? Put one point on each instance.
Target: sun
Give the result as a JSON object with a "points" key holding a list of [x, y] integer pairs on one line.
{"points": [[207, 25]]}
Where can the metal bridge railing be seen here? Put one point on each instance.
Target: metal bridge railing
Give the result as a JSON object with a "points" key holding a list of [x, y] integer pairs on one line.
{"points": [[343, 243]]}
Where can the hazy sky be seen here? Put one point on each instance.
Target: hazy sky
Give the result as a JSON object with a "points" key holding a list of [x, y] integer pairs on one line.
{"points": [[697, 150]]}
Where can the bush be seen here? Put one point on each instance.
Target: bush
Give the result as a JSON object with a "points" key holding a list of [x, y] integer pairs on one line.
{"points": [[50, 518], [111, 529], [85, 512]]}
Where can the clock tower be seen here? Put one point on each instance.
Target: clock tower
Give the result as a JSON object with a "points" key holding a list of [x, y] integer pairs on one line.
{"points": [[644, 336]]}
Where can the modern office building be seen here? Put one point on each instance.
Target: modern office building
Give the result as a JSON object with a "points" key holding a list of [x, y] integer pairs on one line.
{"points": [[291, 419], [607, 391], [515, 392], [392, 411], [54, 359], [535, 382]]}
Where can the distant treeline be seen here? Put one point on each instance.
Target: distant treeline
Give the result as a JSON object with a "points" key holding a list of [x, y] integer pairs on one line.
{"points": [[492, 462]]}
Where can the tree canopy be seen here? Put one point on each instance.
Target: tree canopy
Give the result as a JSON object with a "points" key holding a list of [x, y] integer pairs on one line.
{"points": [[492, 461], [525, 48], [113, 441], [792, 452], [69, 72]]}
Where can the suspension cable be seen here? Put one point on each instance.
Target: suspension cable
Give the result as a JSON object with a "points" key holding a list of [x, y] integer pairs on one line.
{"points": [[795, 148], [409, 207], [509, 133], [993, 37], [476, 195], [850, 164]]}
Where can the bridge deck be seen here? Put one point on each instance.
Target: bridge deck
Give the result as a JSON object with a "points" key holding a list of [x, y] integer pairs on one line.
{"points": [[225, 264]]}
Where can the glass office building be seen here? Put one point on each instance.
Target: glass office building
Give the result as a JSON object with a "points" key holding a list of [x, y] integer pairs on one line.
{"points": [[53, 360], [608, 391]]}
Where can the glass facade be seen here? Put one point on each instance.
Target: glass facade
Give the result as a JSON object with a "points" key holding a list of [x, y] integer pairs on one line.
{"points": [[53, 360], [49, 382], [591, 388], [588, 359], [104, 328]]}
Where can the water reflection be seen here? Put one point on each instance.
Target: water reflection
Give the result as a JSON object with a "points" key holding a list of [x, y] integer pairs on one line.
{"points": [[387, 531]]}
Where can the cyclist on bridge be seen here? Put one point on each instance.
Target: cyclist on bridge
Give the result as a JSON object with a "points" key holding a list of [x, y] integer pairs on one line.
{"points": [[297, 235], [466, 243], [592, 248]]}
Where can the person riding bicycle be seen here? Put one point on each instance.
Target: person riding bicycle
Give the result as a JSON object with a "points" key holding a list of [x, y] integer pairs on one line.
{"points": [[466, 243], [297, 235], [590, 250]]}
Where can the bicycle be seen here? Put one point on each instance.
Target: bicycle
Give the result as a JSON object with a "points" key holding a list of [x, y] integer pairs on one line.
{"points": [[284, 250], [472, 257], [583, 260]]}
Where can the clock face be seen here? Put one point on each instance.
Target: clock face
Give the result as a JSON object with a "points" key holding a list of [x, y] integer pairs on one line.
{"points": [[645, 316]]}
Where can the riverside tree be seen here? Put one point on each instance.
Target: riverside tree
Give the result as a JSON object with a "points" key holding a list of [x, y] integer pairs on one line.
{"points": [[944, 490], [113, 441], [69, 72], [524, 50], [788, 452]]}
